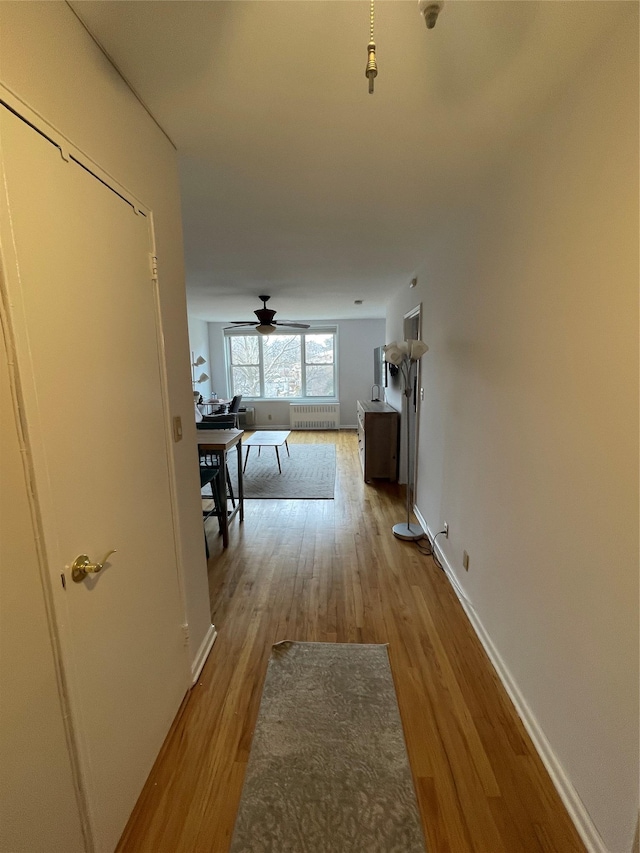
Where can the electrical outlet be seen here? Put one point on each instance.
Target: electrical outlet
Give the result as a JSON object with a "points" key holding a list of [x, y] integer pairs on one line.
{"points": [[445, 527], [465, 561]]}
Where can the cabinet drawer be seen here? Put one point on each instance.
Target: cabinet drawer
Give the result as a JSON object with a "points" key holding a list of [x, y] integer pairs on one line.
{"points": [[378, 441]]}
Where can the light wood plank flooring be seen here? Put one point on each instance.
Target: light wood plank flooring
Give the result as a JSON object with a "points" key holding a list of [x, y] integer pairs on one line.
{"points": [[332, 571]]}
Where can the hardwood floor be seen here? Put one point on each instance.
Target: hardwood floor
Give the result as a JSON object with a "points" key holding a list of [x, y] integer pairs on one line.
{"points": [[332, 571]]}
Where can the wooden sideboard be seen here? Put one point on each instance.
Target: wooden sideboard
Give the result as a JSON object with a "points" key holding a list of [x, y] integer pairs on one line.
{"points": [[378, 440]]}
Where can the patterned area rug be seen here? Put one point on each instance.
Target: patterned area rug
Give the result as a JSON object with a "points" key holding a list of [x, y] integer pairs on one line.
{"points": [[308, 474], [328, 770]]}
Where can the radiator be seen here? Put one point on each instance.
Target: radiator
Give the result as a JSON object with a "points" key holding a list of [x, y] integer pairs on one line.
{"points": [[314, 416]]}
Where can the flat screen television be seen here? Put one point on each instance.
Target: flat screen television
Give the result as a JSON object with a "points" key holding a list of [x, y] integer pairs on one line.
{"points": [[379, 373]]}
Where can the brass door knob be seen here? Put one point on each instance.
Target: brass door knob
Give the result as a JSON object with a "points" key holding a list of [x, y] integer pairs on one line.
{"points": [[82, 566]]}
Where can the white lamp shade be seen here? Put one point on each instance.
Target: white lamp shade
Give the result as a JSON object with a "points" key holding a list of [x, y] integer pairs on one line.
{"points": [[416, 349], [202, 378], [402, 352], [199, 361], [395, 353], [265, 329]]}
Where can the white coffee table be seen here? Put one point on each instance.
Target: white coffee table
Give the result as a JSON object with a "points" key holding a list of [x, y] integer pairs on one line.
{"points": [[268, 438]]}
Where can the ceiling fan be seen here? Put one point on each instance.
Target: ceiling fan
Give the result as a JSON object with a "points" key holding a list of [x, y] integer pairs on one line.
{"points": [[266, 324]]}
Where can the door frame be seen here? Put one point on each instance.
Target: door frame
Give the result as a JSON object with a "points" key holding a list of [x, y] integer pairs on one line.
{"points": [[29, 428]]}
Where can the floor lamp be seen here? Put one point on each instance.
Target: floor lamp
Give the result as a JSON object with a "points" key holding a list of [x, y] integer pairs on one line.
{"points": [[198, 362], [405, 355]]}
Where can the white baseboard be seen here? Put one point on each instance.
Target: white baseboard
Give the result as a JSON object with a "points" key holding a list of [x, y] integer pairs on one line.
{"points": [[203, 653], [268, 426], [568, 794], [288, 426]]}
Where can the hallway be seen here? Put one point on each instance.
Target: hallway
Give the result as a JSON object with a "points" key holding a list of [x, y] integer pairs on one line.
{"points": [[331, 571]]}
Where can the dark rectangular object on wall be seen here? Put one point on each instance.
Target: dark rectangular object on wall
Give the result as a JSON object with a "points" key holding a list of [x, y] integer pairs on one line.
{"points": [[378, 367]]}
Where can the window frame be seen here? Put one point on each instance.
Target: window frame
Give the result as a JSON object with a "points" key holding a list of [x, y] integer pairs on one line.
{"points": [[229, 334]]}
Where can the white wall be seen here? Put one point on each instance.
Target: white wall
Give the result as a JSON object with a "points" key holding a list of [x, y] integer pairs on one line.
{"points": [[219, 382], [529, 431], [49, 61], [356, 342], [199, 345]]}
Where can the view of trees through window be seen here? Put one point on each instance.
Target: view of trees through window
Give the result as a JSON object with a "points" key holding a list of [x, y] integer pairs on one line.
{"points": [[280, 365]]}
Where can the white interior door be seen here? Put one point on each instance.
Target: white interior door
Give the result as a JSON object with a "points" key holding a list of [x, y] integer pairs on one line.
{"points": [[76, 258]]}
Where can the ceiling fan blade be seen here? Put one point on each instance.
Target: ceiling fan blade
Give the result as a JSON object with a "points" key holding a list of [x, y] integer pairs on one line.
{"points": [[291, 325], [238, 323]]}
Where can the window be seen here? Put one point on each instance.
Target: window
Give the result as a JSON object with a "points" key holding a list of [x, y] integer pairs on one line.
{"points": [[319, 361], [282, 365]]}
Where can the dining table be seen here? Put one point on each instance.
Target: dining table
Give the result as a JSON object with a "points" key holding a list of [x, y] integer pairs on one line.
{"points": [[218, 443]]}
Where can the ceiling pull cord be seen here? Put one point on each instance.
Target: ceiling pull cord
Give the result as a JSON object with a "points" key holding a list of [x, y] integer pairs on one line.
{"points": [[371, 71]]}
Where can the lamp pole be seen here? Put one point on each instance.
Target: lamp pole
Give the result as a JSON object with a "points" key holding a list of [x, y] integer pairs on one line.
{"points": [[408, 531], [404, 355]]}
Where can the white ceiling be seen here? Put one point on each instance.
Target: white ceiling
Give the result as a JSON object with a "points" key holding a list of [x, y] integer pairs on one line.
{"points": [[298, 183]]}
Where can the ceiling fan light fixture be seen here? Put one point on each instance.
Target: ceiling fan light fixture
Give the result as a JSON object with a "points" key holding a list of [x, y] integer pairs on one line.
{"points": [[265, 329]]}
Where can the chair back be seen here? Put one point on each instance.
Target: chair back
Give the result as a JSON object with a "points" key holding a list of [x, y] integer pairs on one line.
{"points": [[235, 404]]}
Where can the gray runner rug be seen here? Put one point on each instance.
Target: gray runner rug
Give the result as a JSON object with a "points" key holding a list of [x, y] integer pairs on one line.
{"points": [[308, 474], [328, 770]]}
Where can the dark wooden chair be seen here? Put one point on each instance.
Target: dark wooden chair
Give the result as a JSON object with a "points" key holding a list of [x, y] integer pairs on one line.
{"points": [[213, 422], [234, 405], [210, 476]]}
